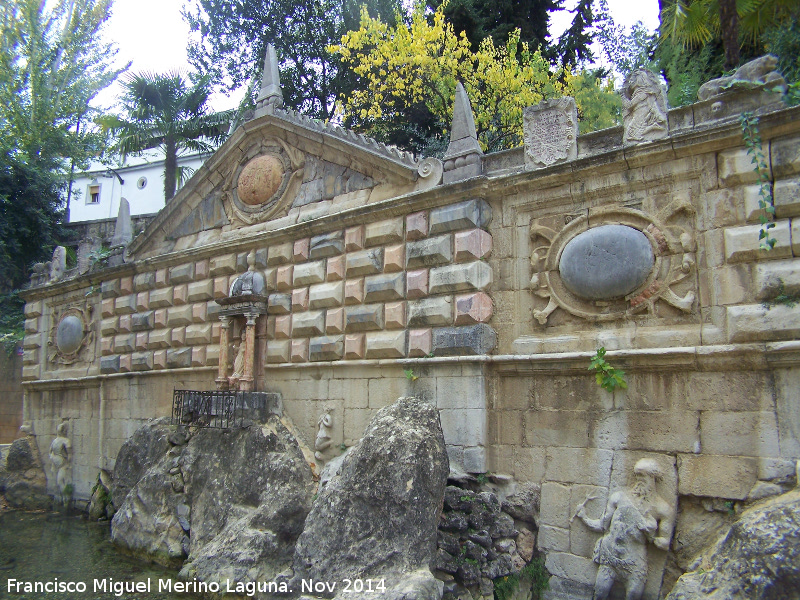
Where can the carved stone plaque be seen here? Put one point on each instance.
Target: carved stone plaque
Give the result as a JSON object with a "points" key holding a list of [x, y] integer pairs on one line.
{"points": [[551, 132]]}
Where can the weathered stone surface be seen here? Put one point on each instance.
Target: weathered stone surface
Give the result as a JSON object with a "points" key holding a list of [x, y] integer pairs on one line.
{"points": [[464, 215], [384, 232], [523, 504], [758, 558], [460, 278], [380, 288], [143, 321], [22, 478], [308, 323], [179, 359], [326, 348], [328, 244], [386, 344], [181, 274], [144, 448], [364, 262], [606, 262], [399, 468], [279, 304], [429, 252], [364, 318], [431, 311], [109, 364], [313, 272], [326, 295], [551, 132], [457, 341]]}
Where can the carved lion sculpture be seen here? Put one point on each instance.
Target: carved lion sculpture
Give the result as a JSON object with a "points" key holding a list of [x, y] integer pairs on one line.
{"points": [[757, 72]]}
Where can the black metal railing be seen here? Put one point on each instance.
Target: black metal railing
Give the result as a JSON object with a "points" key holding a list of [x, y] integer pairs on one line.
{"points": [[223, 409]]}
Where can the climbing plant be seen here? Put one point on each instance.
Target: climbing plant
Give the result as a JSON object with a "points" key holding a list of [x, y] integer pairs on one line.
{"points": [[752, 141], [607, 376]]}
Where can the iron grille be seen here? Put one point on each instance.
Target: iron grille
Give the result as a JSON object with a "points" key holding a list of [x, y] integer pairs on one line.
{"points": [[222, 409]]}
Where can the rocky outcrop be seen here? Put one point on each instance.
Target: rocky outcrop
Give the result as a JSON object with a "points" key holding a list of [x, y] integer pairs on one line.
{"points": [[22, 480], [758, 558], [377, 518]]}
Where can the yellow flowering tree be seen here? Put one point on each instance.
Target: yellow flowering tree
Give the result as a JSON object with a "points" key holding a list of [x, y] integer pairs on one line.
{"points": [[407, 77]]}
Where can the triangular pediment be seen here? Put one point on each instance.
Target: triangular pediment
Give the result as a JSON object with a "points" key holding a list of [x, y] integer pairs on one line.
{"points": [[271, 168]]}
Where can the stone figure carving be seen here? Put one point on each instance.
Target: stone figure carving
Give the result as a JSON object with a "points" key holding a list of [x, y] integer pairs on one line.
{"points": [[644, 107], [633, 518], [238, 363], [58, 265], [60, 457], [323, 440], [758, 71], [551, 132]]}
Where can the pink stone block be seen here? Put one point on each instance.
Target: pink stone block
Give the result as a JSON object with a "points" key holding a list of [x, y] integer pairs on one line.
{"points": [[354, 345], [474, 244], [417, 226], [142, 301], [178, 336], [336, 268], [354, 238], [334, 320], [160, 317], [162, 277], [107, 308], [160, 359], [354, 291], [125, 363], [283, 278], [300, 299], [300, 252], [394, 258], [199, 356], [125, 286], [107, 346], [395, 315], [299, 351], [124, 324], [179, 294], [215, 331], [201, 270], [420, 342], [417, 284], [283, 327], [221, 288], [199, 312], [141, 340], [473, 308]]}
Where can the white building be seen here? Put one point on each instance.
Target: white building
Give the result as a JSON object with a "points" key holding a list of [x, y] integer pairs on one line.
{"points": [[96, 193]]}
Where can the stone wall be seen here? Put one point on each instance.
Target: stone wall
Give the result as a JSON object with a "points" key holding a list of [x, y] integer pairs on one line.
{"points": [[10, 396]]}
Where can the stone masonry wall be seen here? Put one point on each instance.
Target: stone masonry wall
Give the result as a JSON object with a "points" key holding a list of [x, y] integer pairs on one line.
{"points": [[10, 396]]}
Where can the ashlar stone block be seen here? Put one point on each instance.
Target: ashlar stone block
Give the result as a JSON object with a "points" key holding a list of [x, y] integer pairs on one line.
{"points": [[416, 284], [384, 232], [364, 318], [141, 340], [435, 312], [429, 252], [326, 348], [126, 285], [354, 238], [107, 346], [124, 343], [326, 295], [473, 308], [109, 364], [327, 244], [143, 321], [283, 327], [460, 278], [420, 342], [335, 268], [125, 322], [354, 346], [394, 258], [177, 337], [110, 288], [280, 255], [142, 301], [417, 225], [300, 250], [742, 243], [311, 323], [278, 351], [181, 274], [395, 313], [786, 195], [200, 291], [125, 305], [380, 288], [300, 299], [161, 317], [199, 356], [144, 281], [161, 298], [109, 326], [198, 333], [474, 244], [179, 359], [199, 312], [33, 309], [283, 278], [201, 269], [308, 273], [354, 291], [107, 308], [364, 262], [142, 361], [223, 265], [470, 214], [460, 341], [299, 350], [334, 321], [162, 278], [181, 315], [179, 294], [160, 359], [716, 476], [159, 339], [386, 344]]}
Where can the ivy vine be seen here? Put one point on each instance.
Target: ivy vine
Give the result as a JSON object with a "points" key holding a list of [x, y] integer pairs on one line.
{"points": [[752, 141]]}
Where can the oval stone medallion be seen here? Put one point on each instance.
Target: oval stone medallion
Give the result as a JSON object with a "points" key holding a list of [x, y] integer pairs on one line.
{"points": [[260, 179], [606, 262], [69, 334]]}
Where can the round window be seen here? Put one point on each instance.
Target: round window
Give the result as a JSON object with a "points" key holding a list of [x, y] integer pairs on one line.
{"points": [[142, 183]]}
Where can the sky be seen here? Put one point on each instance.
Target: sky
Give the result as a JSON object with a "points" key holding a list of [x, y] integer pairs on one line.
{"points": [[153, 36]]}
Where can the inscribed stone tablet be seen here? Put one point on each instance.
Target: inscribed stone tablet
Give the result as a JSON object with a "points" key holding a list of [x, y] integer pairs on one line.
{"points": [[551, 132]]}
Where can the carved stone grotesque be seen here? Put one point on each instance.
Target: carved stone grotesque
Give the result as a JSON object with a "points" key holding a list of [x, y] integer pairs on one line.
{"points": [[58, 265], [61, 458], [633, 518], [644, 107], [757, 72]]}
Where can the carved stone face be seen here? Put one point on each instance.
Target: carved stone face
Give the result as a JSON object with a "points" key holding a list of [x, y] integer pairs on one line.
{"points": [[260, 179]]}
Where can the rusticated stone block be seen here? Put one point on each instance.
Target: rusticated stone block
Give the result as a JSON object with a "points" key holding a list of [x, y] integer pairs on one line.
{"points": [[279, 304], [107, 346], [417, 225], [212, 311], [395, 313], [160, 359], [335, 268], [459, 341], [311, 323], [716, 476], [354, 346], [142, 361], [199, 312], [201, 269], [380, 288], [181, 274], [420, 342], [109, 326], [223, 265], [278, 351], [736, 167], [328, 244], [159, 339], [141, 341], [280, 255], [436, 311], [221, 288], [109, 364], [364, 262], [308, 273], [143, 321], [241, 262], [177, 337], [394, 258], [754, 322], [364, 318], [429, 252], [326, 348], [125, 285], [384, 232], [300, 299], [300, 250], [474, 244], [177, 316], [162, 278], [107, 308], [283, 278], [334, 321], [162, 298], [473, 308], [142, 301], [200, 291], [354, 291], [283, 327], [271, 279], [460, 278], [144, 281], [124, 343], [742, 243], [212, 355], [215, 329], [199, 356], [326, 295], [416, 284], [161, 317], [30, 357], [33, 309], [786, 194], [299, 350], [32, 325], [179, 359], [464, 215], [354, 238], [125, 323], [179, 295], [110, 288], [125, 305], [125, 363], [386, 344], [198, 334]]}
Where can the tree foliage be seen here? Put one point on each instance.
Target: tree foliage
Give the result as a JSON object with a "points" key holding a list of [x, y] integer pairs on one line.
{"points": [[417, 65], [626, 50], [230, 37]]}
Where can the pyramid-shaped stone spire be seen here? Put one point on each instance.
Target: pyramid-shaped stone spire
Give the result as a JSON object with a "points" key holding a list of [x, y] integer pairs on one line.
{"points": [[270, 94], [463, 157]]}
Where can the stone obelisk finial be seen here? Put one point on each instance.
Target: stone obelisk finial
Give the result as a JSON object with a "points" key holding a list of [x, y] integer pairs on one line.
{"points": [[270, 94], [463, 157]]}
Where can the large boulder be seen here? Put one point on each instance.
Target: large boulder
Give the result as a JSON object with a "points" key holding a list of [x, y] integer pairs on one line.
{"points": [[23, 481], [758, 558], [376, 519]]}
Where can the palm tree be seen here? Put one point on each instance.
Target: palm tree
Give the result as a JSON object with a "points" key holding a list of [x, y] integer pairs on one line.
{"points": [[165, 112]]}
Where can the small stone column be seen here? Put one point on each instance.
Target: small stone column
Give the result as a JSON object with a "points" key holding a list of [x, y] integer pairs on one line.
{"points": [[246, 382], [224, 342]]}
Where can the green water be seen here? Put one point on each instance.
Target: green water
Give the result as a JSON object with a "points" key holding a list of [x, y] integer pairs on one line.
{"points": [[55, 548]]}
